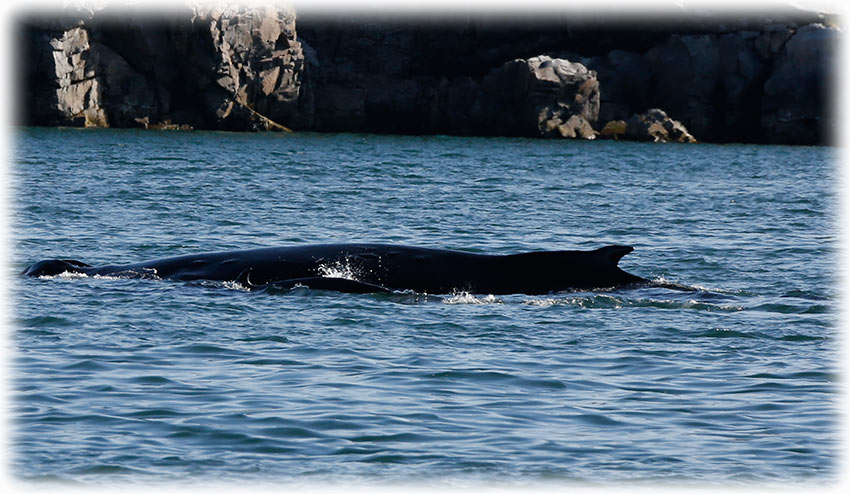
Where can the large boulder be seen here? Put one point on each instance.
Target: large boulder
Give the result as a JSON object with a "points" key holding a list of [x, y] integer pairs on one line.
{"points": [[795, 101], [654, 125], [541, 96]]}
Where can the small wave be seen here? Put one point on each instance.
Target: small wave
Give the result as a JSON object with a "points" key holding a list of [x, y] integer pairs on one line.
{"points": [[801, 337], [103, 469], [49, 321], [275, 362], [596, 419], [156, 413], [272, 338], [290, 432], [586, 302], [152, 380], [792, 309], [203, 349], [663, 282], [543, 302], [688, 304], [235, 285], [400, 437], [727, 333], [87, 365], [465, 298], [606, 301]]}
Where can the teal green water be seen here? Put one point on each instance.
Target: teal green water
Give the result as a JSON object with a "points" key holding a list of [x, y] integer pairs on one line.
{"points": [[144, 381]]}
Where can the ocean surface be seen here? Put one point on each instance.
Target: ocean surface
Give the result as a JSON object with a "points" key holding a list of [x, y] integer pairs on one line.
{"points": [[137, 381]]}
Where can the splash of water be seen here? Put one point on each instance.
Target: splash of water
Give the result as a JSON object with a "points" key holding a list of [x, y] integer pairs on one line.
{"points": [[470, 299], [338, 269]]}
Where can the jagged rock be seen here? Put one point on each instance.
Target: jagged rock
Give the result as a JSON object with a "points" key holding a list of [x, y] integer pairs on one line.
{"points": [[258, 65], [538, 97], [97, 87], [654, 125], [794, 105], [77, 97], [576, 127]]}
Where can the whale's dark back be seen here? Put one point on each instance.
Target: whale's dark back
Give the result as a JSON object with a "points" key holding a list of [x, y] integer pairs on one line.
{"points": [[392, 267]]}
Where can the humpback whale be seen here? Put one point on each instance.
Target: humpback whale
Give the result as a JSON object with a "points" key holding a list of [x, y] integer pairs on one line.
{"points": [[368, 268]]}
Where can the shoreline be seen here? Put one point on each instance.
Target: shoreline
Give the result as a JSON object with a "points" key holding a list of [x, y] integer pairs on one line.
{"points": [[764, 79], [588, 142]]}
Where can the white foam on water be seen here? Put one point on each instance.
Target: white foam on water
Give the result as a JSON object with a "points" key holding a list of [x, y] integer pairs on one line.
{"points": [[468, 298], [661, 280], [65, 275], [544, 302], [100, 276], [235, 285]]}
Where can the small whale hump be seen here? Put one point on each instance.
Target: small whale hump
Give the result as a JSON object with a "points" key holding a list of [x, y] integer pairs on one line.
{"points": [[53, 267]]}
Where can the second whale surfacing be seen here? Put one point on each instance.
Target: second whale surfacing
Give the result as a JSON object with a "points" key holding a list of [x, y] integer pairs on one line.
{"points": [[368, 268]]}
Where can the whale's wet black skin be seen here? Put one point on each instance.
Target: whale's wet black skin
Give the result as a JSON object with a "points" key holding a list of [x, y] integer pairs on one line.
{"points": [[366, 268]]}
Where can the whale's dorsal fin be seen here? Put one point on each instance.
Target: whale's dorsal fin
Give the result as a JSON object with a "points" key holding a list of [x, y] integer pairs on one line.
{"points": [[613, 253]]}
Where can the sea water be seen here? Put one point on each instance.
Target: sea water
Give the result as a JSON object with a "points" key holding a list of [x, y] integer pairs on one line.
{"points": [[145, 381]]}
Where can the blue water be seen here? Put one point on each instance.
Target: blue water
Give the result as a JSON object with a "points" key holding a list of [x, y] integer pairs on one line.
{"points": [[145, 381]]}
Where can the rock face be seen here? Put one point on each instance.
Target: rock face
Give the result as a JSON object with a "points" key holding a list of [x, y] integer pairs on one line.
{"points": [[246, 68], [258, 67], [230, 69], [79, 93], [795, 105]]}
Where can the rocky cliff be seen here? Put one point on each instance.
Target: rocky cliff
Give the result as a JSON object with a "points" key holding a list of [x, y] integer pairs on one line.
{"points": [[743, 79]]}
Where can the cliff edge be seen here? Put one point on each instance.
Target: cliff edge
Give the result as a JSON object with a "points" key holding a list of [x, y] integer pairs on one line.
{"points": [[713, 78]]}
